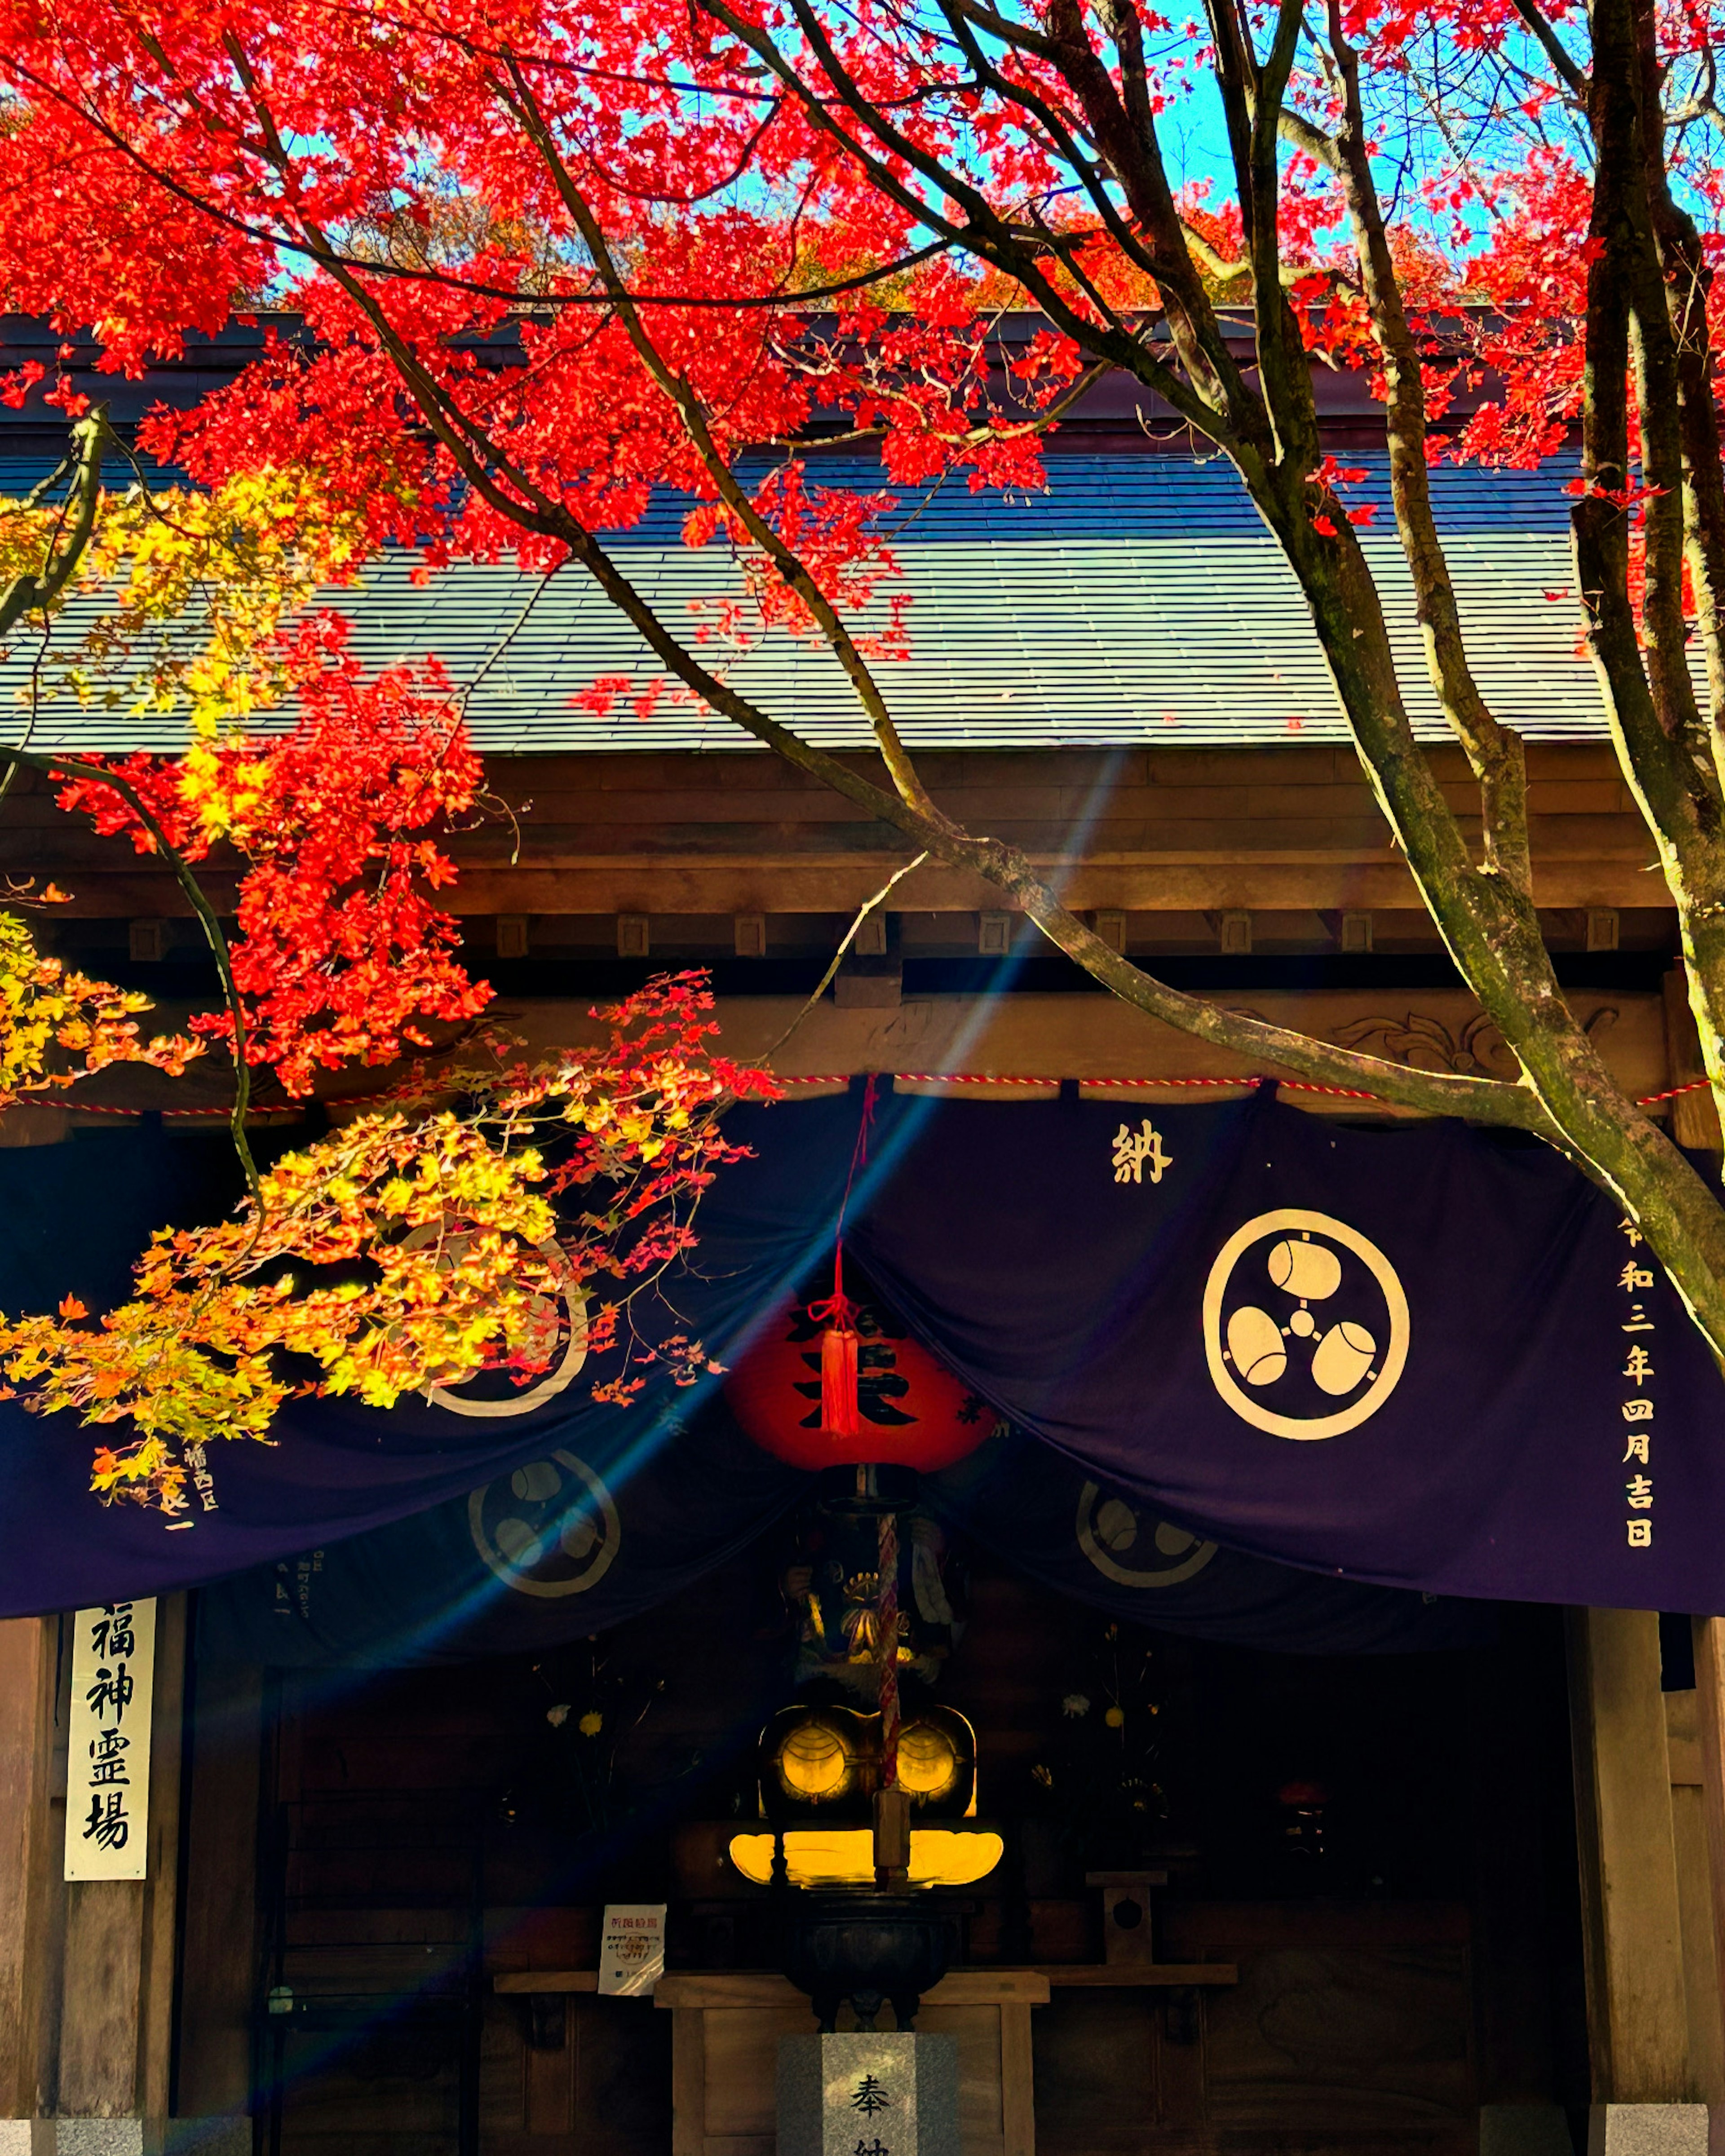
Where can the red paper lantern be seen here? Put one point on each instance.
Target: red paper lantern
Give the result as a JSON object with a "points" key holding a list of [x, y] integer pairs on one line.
{"points": [[911, 1411]]}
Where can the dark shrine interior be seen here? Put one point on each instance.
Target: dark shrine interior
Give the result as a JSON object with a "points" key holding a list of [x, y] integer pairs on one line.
{"points": [[1384, 1845]]}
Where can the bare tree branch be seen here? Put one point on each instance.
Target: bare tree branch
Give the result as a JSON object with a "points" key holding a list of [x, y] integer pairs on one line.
{"points": [[1495, 754], [680, 394], [1563, 65]]}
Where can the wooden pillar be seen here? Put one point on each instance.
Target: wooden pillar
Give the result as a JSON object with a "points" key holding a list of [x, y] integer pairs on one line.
{"points": [[1644, 2095], [1017, 2083], [1709, 1634], [1695, 1900], [86, 1969], [117, 1984], [32, 1801]]}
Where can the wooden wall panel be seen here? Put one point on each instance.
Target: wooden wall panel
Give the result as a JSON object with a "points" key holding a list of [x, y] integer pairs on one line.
{"points": [[1097, 2091], [378, 2092], [520, 2090], [219, 1948], [977, 2030], [605, 2090], [1332, 2046], [622, 2077], [742, 2061]]}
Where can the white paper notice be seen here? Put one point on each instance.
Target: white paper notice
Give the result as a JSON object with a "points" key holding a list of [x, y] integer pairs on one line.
{"points": [[632, 1948], [108, 1774]]}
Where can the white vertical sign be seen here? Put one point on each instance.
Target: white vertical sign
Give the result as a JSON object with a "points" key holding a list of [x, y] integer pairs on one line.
{"points": [[632, 1948], [108, 1773]]}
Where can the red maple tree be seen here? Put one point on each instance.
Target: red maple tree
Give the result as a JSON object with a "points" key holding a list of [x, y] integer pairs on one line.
{"points": [[527, 263]]}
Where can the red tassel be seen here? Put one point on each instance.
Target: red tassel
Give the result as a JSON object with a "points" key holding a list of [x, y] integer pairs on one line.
{"points": [[839, 1412]]}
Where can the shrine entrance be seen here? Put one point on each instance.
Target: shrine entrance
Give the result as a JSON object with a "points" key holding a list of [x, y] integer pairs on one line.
{"points": [[1245, 1899]]}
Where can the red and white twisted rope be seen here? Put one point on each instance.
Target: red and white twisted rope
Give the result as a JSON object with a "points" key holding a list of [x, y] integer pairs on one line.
{"points": [[886, 1615]]}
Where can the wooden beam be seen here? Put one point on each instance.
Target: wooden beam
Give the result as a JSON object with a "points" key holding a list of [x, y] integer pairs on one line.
{"points": [[664, 883], [693, 1991], [1252, 830], [1034, 1037], [1097, 1036]]}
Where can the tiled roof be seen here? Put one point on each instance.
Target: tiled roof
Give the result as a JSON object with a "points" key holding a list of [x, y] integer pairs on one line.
{"points": [[1137, 601]]}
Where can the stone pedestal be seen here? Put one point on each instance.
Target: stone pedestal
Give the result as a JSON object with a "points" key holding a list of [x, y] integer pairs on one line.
{"points": [[1647, 2129], [71, 2137], [868, 2095]]}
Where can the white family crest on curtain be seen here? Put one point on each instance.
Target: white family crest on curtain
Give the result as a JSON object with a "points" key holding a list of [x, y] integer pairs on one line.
{"points": [[1306, 1326], [554, 1335], [1133, 1552], [108, 1761], [548, 1529]]}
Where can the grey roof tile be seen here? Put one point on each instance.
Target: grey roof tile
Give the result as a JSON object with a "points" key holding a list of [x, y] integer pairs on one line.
{"points": [[1138, 601]]}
